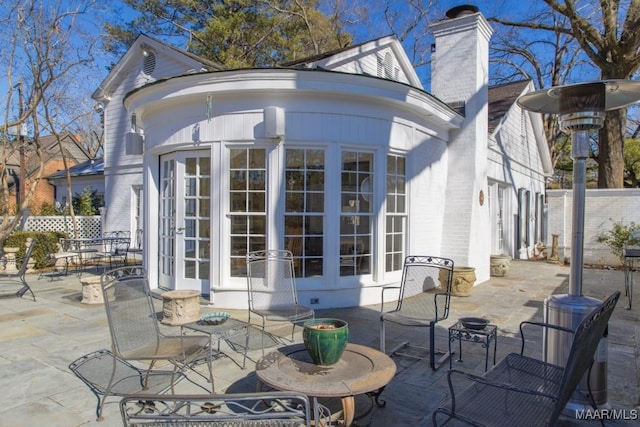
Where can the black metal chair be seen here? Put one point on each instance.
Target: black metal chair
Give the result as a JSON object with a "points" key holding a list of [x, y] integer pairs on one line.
{"points": [[423, 300], [272, 290], [115, 246], [18, 277], [135, 333], [521, 390]]}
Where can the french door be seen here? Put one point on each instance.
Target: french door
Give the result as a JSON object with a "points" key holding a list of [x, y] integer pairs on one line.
{"points": [[185, 220]]}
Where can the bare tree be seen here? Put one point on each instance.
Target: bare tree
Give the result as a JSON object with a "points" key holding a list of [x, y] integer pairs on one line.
{"points": [[518, 53], [607, 33], [44, 46]]}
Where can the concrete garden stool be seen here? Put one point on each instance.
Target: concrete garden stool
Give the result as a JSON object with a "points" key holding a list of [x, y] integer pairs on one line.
{"points": [[180, 307], [91, 290]]}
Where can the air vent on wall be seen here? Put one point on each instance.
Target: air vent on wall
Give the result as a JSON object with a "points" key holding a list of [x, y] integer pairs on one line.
{"points": [[149, 63]]}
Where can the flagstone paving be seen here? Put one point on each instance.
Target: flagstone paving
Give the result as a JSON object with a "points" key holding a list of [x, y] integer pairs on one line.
{"points": [[40, 340]]}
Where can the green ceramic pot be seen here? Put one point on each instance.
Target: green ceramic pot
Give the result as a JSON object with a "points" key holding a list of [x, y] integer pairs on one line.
{"points": [[325, 340]]}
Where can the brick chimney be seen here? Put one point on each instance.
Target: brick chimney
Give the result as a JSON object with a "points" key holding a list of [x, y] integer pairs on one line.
{"points": [[460, 77]]}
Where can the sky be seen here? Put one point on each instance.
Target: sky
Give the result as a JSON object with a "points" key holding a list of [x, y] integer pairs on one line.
{"points": [[116, 12]]}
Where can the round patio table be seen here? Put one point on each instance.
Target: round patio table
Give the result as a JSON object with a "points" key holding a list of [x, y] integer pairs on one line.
{"points": [[360, 370]]}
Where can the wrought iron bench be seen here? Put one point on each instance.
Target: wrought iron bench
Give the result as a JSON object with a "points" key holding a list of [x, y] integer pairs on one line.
{"points": [[522, 390], [273, 408]]}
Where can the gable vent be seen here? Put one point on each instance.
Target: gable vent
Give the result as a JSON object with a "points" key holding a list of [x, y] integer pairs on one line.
{"points": [[149, 63]]}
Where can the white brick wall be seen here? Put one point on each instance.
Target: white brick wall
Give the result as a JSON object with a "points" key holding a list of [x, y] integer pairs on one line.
{"points": [[602, 209], [460, 73]]}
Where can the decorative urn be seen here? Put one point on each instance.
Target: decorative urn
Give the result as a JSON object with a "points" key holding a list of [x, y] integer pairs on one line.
{"points": [[325, 340]]}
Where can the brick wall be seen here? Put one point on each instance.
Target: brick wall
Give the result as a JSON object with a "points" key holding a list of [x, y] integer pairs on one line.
{"points": [[602, 209]]}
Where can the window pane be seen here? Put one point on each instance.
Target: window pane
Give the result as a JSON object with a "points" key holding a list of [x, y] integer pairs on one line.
{"points": [[395, 209], [190, 269], [295, 180], [314, 225], [205, 187], [257, 180], [247, 181], [356, 208], [238, 180], [190, 187], [204, 210], [190, 207], [204, 228], [238, 159], [189, 228], [238, 202], [204, 270], [257, 224], [257, 159], [190, 166], [295, 159], [304, 194], [315, 159], [238, 225], [315, 181], [238, 245], [257, 202], [315, 202], [205, 166]]}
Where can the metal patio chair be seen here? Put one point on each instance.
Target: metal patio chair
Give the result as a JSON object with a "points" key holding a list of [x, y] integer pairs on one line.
{"points": [[18, 278], [522, 390], [135, 333], [423, 300], [272, 290], [274, 408], [115, 246]]}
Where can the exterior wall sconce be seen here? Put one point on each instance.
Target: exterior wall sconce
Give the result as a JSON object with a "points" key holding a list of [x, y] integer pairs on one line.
{"points": [[146, 49], [134, 141], [274, 123]]}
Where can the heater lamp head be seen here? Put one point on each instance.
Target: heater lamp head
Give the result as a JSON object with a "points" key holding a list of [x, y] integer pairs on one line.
{"points": [[556, 100]]}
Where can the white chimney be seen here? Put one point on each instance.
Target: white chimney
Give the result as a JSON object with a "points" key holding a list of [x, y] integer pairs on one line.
{"points": [[460, 78]]}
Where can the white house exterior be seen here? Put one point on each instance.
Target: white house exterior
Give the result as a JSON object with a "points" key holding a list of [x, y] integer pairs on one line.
{"points": [[518, 166], [343, 159], [84, 176]]}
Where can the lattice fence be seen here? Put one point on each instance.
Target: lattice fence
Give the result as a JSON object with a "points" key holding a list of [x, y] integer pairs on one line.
{"points": [[88, 226]]}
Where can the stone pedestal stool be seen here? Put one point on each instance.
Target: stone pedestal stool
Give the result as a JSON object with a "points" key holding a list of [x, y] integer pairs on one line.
{"points": [[180, 307], [91, 290]]}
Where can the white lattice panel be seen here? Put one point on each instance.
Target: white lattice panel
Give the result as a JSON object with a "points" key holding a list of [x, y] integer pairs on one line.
{"points": [[88, 226]]}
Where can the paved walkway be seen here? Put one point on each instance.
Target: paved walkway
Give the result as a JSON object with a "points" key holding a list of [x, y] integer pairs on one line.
{"points": [[39, 340]]}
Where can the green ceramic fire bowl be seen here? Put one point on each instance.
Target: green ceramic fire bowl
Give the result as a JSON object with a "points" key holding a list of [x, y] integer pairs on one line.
{"points": [[325, 340]]}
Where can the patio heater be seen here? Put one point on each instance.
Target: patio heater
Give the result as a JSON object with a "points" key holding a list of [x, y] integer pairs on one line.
{"points": [[581, 108]]}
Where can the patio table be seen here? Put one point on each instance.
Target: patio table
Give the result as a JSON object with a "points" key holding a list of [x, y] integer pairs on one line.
{"points": [[83, 249], [222, 332], [360, 370]]}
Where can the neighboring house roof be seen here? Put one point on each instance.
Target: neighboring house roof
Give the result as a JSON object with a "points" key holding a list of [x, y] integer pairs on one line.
{"points": [[501, 98], [73, 150], [88, 168]]}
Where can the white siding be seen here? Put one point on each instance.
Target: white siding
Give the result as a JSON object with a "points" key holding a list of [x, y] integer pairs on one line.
{"points": [[366, 63], [122, 171]]}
